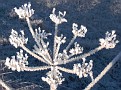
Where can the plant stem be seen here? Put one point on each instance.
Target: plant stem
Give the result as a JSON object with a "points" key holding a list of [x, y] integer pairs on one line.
{"points": [[36, 68], [53, 87], [106, 69], [30, 27], [65, 70], [54, 47], [4, 85], [71, 42]]}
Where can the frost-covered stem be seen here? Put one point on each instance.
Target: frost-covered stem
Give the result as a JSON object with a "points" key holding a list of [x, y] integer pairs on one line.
{"points": [[36, 68], [46, 50], [84, 55], [53, 86], [4, 85], [65, 70], [30, 27], [106, 69], [70, 55], [71, 42], [54, 47], [34, 55], [57, 50]]}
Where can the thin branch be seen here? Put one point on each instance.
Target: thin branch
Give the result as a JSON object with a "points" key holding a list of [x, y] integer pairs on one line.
{"points": [[71, 42], [47, 53], [4, 85], [106, 69], [36, 68], [54, 46], [65, 70], [57, 50], [84, 55], [30, 27], [5, 73]]}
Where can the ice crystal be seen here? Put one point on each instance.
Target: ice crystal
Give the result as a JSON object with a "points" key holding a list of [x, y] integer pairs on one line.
{"points": [[58, 57]]}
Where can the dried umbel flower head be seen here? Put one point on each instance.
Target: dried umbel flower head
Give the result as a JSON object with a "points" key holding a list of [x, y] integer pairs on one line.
{"points": [[24, 11], [58, 19], [17, 40], [17, 63], [109, 41], [79, 32], [55, 59]]}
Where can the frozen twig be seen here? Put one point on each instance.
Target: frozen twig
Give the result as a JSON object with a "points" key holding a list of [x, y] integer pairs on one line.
{"points": [[30, 27], [70, 43], [4, 85]]}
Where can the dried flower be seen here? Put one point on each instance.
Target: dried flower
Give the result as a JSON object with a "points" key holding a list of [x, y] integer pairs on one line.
{"points": [[16, 39], [24, 11], [79, 33], [76, 50], [18, 62], [83, 70], [58, 19], [109, 41]]}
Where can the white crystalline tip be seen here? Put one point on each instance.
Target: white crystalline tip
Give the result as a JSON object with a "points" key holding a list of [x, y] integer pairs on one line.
{"points": [[79, 32], [109, 41], [83, 70], [17, 40], [58, 19], [24, 11], [76, 50]]}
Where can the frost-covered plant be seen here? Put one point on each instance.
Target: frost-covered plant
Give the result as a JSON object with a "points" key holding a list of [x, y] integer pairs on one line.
{"points": [[55, 60]]}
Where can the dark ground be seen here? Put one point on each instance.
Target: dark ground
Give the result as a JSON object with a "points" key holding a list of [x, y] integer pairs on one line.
{"points": [[98, 16]]}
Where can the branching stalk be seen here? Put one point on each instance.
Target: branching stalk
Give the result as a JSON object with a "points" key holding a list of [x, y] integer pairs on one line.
{"points": [[33, 34], [71, 42], [65, 70]]}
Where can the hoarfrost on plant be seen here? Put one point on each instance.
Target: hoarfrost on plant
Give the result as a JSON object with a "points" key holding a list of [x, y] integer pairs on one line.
{"points": [[59, 56]]}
